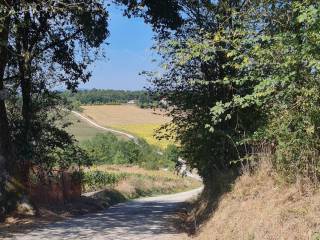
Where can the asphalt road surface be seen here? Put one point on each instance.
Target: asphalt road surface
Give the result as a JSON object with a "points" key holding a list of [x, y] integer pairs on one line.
{"points": [[141, 219]]}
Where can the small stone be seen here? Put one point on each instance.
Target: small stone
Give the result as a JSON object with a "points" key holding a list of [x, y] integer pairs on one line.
{"points": [[25, 208], [10, 220]]}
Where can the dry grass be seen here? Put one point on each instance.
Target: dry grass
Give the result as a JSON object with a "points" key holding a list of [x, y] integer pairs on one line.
{"points": [[130, 118], [141, 182], [259, 207], [109, 115], [136, 170]]}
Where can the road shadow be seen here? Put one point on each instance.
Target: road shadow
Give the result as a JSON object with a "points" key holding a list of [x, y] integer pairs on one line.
{"points": [[48, 214], [196, 214], [123, 221]]}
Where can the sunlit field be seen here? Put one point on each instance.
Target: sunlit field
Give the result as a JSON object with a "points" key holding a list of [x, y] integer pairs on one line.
{"points": [[135, 170], [81, 129], [145, 131], [130, 118]]}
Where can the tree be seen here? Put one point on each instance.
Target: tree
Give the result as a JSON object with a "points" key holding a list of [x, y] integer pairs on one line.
{"points": [[278, 62], [6, 151], [69, 34], [162, 15], [48, 42], [231, 70], [195, 60]]}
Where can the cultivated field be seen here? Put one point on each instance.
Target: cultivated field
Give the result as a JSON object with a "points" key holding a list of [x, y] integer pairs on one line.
{"points": [[110, 115], [129, 118]]}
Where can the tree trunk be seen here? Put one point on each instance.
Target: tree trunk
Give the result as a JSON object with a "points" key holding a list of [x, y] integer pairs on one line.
{"points": [[26, 114], [6, 153], [5, 143], [26, 88]]}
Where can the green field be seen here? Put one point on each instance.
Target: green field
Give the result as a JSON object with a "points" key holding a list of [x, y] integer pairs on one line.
{"points": [[81, 129]]}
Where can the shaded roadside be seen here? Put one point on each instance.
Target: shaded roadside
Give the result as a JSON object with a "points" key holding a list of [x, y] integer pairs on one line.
{"points": [[197, 213], [49, 213], [138, 219]]}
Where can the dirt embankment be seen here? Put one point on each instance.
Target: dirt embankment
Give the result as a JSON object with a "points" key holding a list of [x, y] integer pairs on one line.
{"points": [[258, 206]]}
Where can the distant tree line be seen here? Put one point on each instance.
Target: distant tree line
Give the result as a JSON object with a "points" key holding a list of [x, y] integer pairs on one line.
{"points": [[100, 96]]}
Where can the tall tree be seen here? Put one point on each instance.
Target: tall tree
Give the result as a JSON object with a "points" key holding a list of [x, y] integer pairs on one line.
{"points": [[6, 153], [49, 43], [58, 39], [195, 59]]}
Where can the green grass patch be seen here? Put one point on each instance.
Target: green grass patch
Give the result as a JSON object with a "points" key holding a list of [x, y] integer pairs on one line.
{"points": [[80, 128]]}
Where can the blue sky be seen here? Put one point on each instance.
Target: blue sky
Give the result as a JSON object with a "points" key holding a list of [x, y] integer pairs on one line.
{"points": [[127, 54]]}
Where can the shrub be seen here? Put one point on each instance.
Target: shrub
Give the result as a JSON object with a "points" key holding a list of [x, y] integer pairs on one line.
{"points": [[98, 179], [108, 149]]}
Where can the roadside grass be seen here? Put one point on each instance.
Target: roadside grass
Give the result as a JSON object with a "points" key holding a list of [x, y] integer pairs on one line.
{"points": [[134, 182], [258, 205]]}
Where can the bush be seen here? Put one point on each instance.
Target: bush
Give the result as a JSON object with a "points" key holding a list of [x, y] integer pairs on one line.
{"points": [[172, 154], [102, 148], [108, 149], [98, 179]]}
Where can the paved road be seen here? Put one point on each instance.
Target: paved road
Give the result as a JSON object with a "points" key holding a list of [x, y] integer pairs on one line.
{"points": [[142, 219]]}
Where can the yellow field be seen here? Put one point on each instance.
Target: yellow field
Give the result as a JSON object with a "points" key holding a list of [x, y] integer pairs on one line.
{"points": [[130, 118], [145, 131], [109, 115]]}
